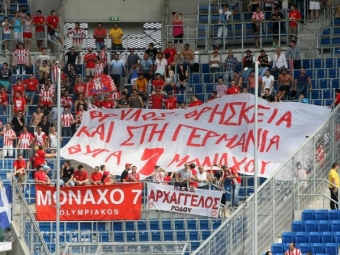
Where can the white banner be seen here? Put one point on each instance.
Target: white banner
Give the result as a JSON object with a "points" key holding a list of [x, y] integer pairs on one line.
{"points": [[218, 132], [184, 200]]}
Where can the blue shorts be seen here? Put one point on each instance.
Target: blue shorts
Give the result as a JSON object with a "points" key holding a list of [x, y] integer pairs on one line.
{"points": [[30, 94], [6, 36], [5, 84]]}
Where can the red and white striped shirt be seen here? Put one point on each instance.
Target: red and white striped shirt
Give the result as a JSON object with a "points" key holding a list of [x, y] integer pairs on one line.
{"points": [[99, 69], [66, 120], [115, 95], [295, 252], [25, 140], [78, 35], [67, 101], [257, 16], [54, 72], [46, 95], [103, 57], [21, 55], [7, 135], [40, 139]]}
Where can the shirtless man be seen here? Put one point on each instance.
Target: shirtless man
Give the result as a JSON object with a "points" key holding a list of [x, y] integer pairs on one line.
{"points": [[284, 81], [187, 56]]}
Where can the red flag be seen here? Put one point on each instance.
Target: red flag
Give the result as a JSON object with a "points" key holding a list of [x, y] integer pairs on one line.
{"points": [[100, 85]]}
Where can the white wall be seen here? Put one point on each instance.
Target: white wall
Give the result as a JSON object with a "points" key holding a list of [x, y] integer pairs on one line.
{"points": [[102, 10]]}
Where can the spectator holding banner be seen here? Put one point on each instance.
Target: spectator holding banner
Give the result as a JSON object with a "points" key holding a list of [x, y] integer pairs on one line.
{"points": [[184, 176], [96, 177], [133, 176], [125, 174], [201, 178]]}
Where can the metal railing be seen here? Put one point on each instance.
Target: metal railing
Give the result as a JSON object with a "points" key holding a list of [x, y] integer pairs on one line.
{"points": [[278, 197]]}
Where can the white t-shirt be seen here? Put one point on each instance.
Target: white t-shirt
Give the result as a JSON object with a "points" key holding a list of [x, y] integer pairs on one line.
{"points": [[53, 140], [41, 58], [202, 176], [224, 17], [161, 65], [267, 81], [213, 58], [5, 29]]}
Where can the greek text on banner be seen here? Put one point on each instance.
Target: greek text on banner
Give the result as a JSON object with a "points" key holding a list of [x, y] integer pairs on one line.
{"points": [[184, 200], [218, 132], [109, 202]]}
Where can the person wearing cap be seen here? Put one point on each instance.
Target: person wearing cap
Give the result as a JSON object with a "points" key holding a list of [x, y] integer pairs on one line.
{"points": [[96, 177], [170, 102], [125, 174], [133, 176], [66, 173], [265, 62], [158, 83], [160, 64], [81, 177], [40, 176], [214, 62], [284, 83], [155, 101]]}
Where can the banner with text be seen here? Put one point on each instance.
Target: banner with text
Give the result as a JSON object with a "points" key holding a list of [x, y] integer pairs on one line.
{"points": [[218, 132], [107, 202], [184, 200]]}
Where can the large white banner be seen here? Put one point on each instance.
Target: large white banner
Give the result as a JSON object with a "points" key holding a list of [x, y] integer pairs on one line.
{"points": [[218, 132], [184, 200]]}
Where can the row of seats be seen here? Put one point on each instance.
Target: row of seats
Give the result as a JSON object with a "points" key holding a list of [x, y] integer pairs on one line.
{"points": [[311, 237], [316, 225], [315, 248], [321, 214]]}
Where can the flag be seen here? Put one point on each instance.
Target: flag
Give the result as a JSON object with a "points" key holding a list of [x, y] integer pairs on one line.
{"points": [[5, 206]]}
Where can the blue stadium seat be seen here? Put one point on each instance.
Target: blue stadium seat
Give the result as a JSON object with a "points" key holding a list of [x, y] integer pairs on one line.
{"points": [[323, 226], [317, 63], [209, 88], [327, 237], [191, 224], [335, 225], [288, 237], [314, 237], [332, 73], [320, 74], [317, 102], [207, 78], [327, 94], [195, 78], [104, 237], [298, 226], [216, 223], [204, 224], [168, 235], [323, 84], [117, 226], [301, 237], [131, 236], [205, 68], [179, 224], [198, 89], [143, 236], [311, 225], [166, 224], [180, 98], [203, 19], [318, 248], [325, 42], [155, 236], [180, 236], [306, 63], [308, 215], [333, 215], [193, 235], [334, 84], [278, 248], [305, 247], [205, 234], [331, 248], [141, 225], [129, 225], [335, 41], [118, 236], [321, 214]]}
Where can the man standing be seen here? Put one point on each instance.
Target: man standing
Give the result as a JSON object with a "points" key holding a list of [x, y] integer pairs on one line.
{"points": [[78, 34], [9, 136], [53, 24], [214, 63], [125, 174], [294, 52], [267, 82], [131, 59], [5, 76], [223, 21], [301, 83], [279, 62], [103, 59], [67, 121], [25, 141], [147, 66], [170, 54], [247, 65], [116, 66], [294, 19], [152, 52], [116, 35], [72, 57], [235, 181], [20, 63], [333, 178], [39, 22], [292, 250], [160, 64], [184, 176], [99, 34], [314, 7], [90, 60]]}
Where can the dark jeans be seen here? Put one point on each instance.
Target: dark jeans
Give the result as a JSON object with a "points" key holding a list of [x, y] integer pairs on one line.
{"points": [[204, 187], [66, 131], [116, 78], [216, 74], [334, 196], [117, 46], [301, 89], [297, 64]]}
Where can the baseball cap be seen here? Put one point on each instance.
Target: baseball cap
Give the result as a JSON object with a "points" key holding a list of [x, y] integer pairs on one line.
{"points": [[128, 164], [215, 51], [284, 69]]}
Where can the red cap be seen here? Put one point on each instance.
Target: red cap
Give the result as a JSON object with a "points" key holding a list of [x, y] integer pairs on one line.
{"points": [[128, 164]]}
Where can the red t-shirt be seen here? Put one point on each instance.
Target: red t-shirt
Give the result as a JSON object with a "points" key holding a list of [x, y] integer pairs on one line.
{"points": [[19, 88], [195, 103], [337, 99], [96, 176], [80, 88], [39, 21], [19, 104], [39, 158], [3, 98], [90, 60], [31, 84], [157, 101], [101, 32], [80, 176], [107, 104], [233, 90], [211, 98], [170, 55], [53, 21], [158, 83], [97, 103], [40, 176], [19, 164], [170, 103], [294, 15], [107, 179]]}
